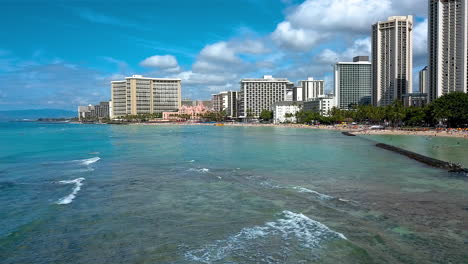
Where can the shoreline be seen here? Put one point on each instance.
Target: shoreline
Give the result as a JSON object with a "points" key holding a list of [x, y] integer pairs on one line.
{"points": [[353, 130]]}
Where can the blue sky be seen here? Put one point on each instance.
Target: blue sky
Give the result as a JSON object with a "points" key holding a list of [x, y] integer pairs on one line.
{"points": [[60, 54]]}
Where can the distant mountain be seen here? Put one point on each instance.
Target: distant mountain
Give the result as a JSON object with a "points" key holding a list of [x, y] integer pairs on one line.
{"points": [[11, 115]]}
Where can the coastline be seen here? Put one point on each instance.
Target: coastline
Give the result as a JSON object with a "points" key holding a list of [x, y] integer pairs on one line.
{"points": [[356, 130]]}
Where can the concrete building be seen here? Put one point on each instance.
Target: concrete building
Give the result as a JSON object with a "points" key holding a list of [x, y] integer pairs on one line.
{"points": [[322, 105], [257, 95], [353, 83], [392, 59], [140, 95], [447, 47], [297, 94], [423, 80], [86, 112], [285, 112], [415, 99], [312, 89], [102, 110], [220, 101], [94, 112], [227, 101]]}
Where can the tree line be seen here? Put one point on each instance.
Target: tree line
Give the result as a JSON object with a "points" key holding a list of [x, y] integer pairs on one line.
{"points": [[450, 110]]}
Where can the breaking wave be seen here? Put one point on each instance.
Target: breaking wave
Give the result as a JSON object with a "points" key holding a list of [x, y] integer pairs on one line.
{"points": [[202, 170], [89, 161], [319, 195], [271, 240], [69, 198]]}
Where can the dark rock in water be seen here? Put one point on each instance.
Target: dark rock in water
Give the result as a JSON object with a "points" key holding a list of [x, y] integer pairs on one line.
{"points": [[466, 208], [348, 134], [466, 242]]}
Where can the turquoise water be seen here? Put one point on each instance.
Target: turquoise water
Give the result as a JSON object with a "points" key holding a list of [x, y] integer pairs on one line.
{"points": [[202, 194]]}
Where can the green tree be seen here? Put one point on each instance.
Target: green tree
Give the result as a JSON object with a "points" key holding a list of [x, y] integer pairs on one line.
{"points": [[266, 115], [452, 109]]}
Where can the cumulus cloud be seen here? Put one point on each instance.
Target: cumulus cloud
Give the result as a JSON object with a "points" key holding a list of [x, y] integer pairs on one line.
{"points": [[420, 38], [296, 38], [164, 62]]}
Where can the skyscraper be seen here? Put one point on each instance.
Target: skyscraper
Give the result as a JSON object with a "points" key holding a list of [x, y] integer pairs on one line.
{"points": [[448, 49], [141, 95], [392, 59], [353, 83]]}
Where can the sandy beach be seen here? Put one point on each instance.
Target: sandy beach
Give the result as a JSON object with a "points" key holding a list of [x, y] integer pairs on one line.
{"points": [[357, 130]]}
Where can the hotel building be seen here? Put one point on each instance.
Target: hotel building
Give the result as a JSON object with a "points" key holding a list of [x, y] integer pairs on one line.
{"points": [[392, 59], [257, 95], [448, 47], [312, 89], [141, 95], [322, 105], [353, 83], [227, 101], [285, 112]]}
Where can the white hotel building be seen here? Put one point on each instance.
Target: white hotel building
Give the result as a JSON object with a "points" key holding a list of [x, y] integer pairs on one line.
{"points": [[312, 89], [257, 95], [448, 47], [140, 95]]}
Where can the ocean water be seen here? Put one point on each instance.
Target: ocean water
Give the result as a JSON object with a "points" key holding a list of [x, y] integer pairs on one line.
{"points": [[202, 194]]}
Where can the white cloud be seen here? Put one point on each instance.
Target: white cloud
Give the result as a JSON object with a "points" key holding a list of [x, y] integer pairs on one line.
{"points": [[289, 37], [420, 38], [163, 62], [360, 47]]}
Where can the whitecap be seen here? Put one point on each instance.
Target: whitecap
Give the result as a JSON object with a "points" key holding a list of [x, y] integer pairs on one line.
{"points": [[69, 198], [307, 233], [201, 170], [319, 195], [89, 161]]}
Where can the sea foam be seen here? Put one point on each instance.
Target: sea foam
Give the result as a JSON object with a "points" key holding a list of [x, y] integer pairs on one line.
{"points": [[319, 195], [69, 198], [90, 161], [305, 232]]}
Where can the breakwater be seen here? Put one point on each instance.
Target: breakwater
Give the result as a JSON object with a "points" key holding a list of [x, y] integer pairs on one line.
{"points": [[424, 159]]}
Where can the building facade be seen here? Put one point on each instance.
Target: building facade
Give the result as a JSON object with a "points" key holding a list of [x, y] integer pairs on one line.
{"points": [[140, 95], [322, 105], [285, 112], [220, 101], [297, 94], [194, 113], [257, 95], [312, 89], [227, 101], [448, 47], [353, 83], [94, 112], [423, 80], [392, 59], [415, 99]]}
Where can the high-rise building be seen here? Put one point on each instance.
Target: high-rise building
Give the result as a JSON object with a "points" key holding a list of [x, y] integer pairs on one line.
{"points": [[311, 88], [141, 95], [94, 112], [297, 94], [220, 101], [353, 83], [448, 47], [392, 59], [423, 80], [226, 101], [257, 95]]}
